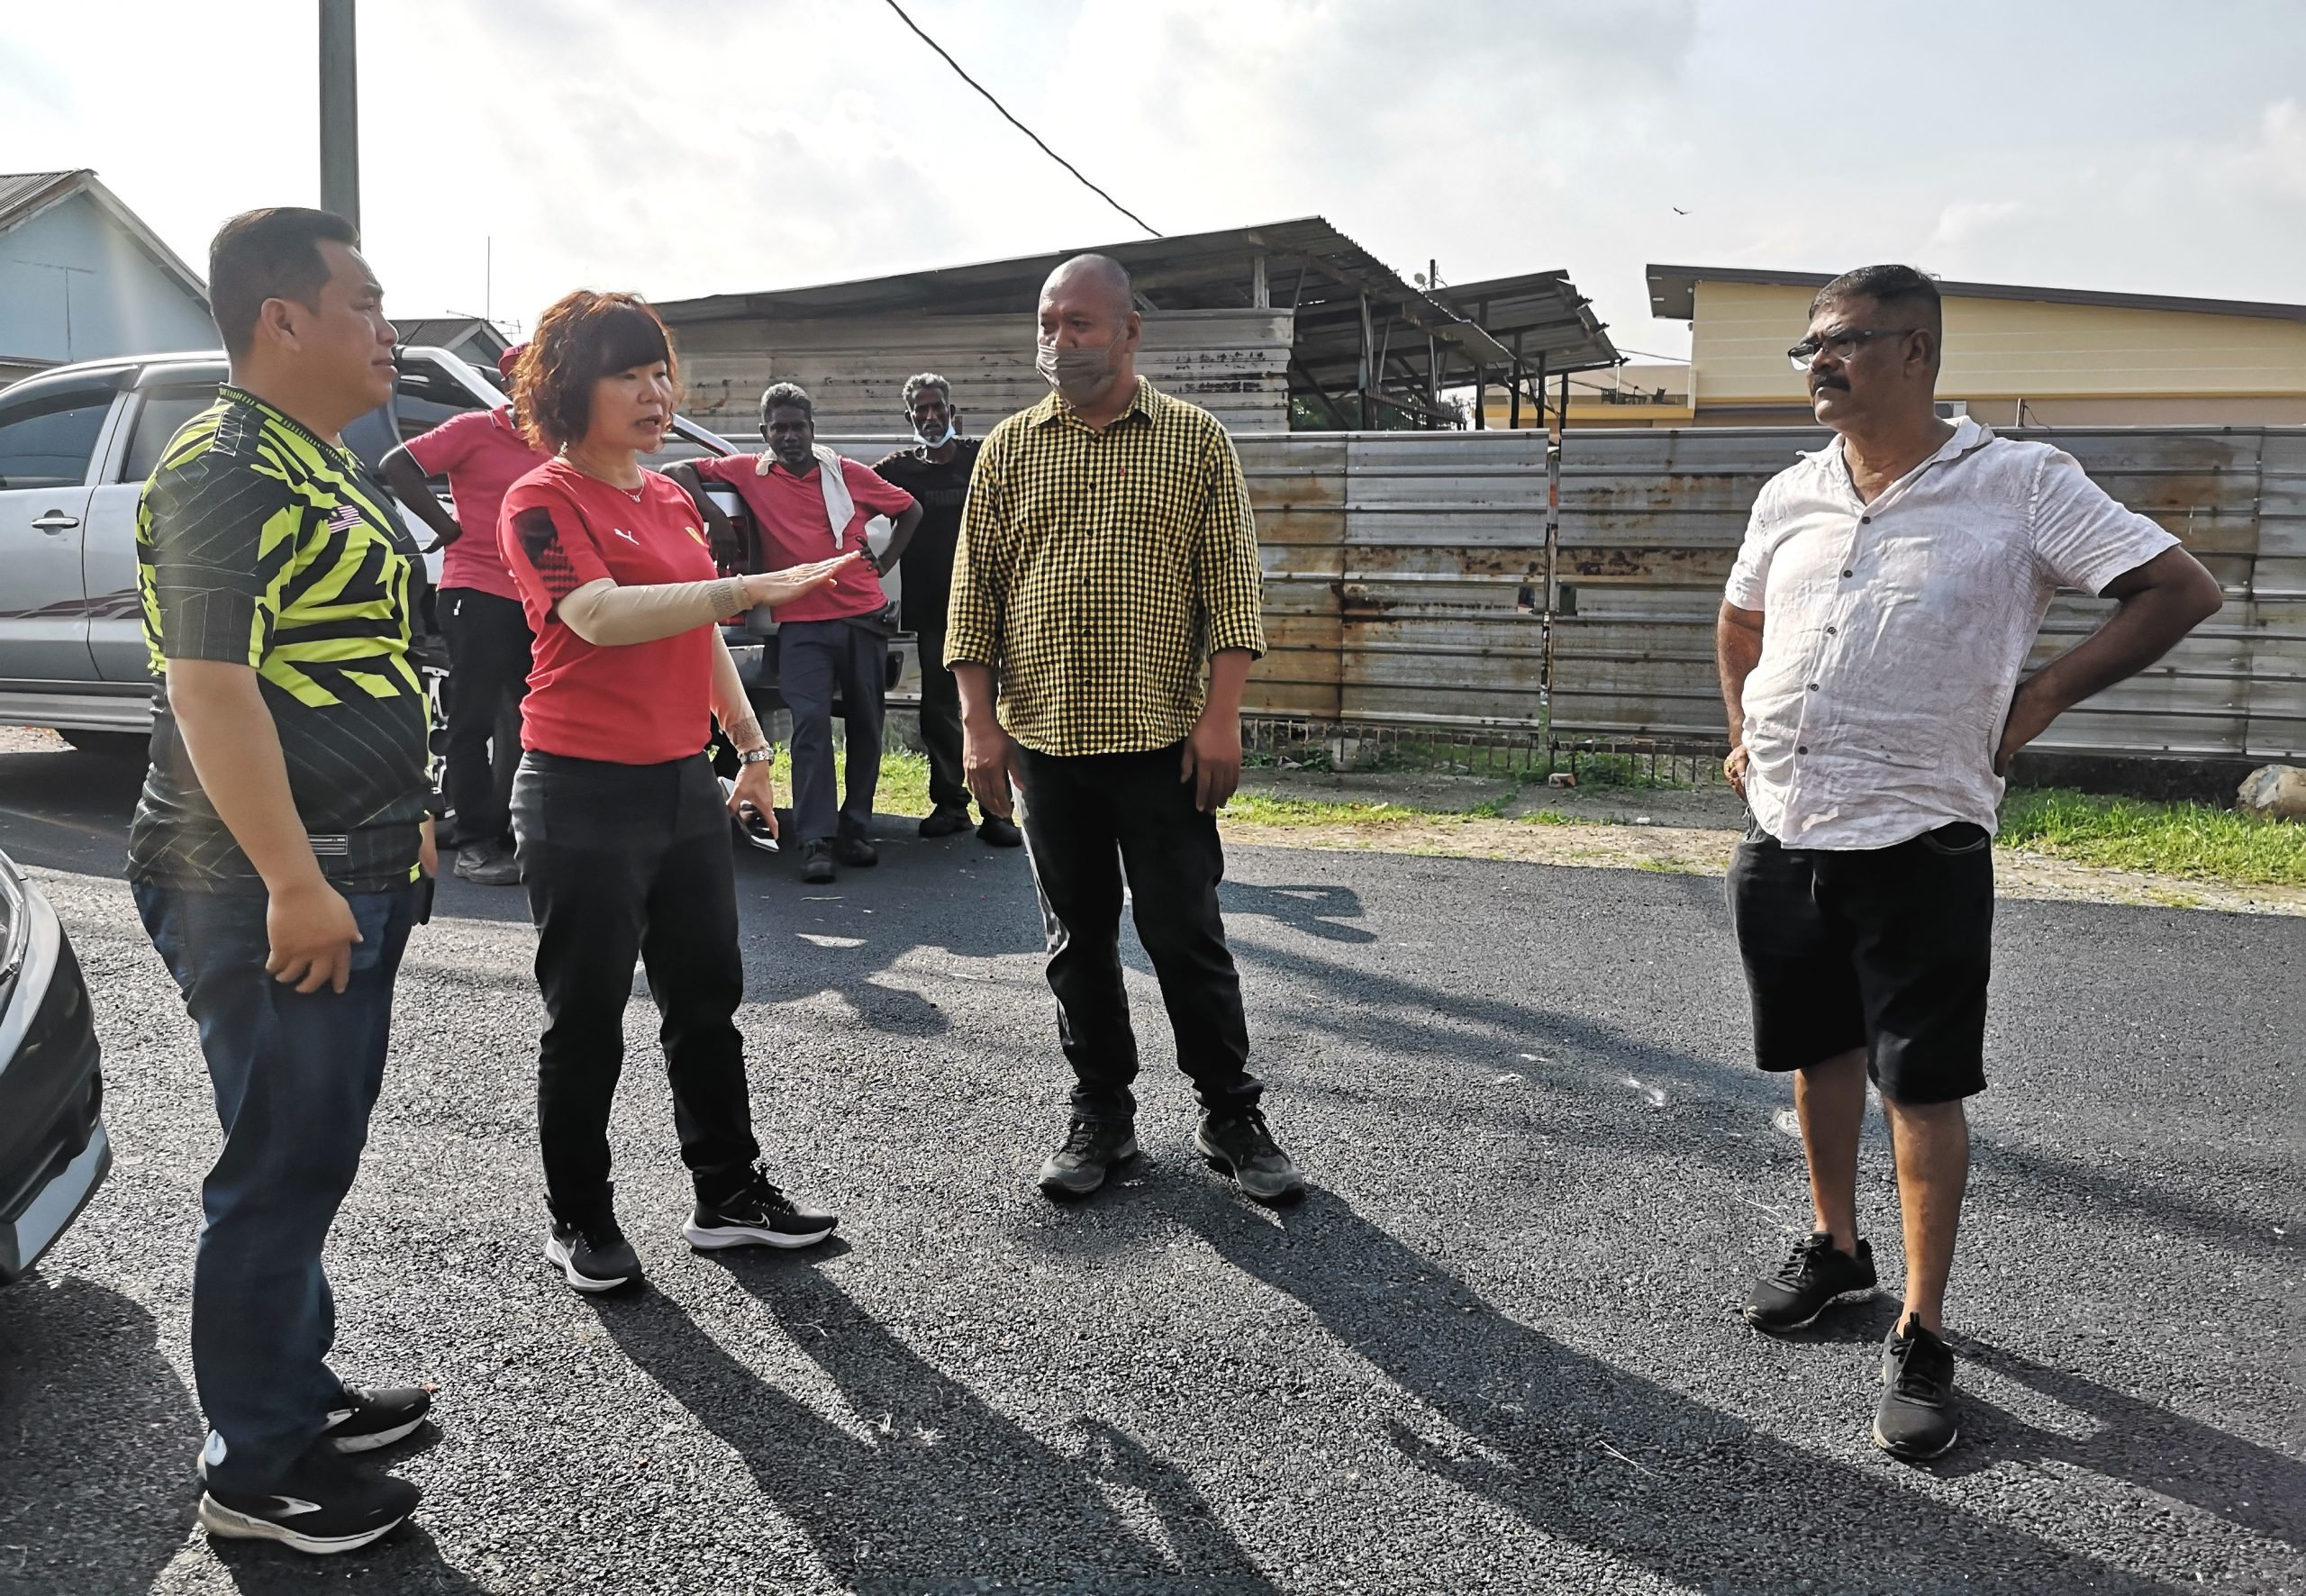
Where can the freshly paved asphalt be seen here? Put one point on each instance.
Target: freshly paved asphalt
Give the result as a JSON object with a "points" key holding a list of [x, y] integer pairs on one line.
{"points": [[1496, 1350]]}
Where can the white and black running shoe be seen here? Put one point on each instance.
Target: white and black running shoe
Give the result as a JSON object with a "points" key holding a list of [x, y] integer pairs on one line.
{"points": [[592, 1257], [760, 1215], [321, 1505], [365, 1420]]}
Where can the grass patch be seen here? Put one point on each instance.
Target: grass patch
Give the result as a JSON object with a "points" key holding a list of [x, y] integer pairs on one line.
{"points": [[2192, 840]]}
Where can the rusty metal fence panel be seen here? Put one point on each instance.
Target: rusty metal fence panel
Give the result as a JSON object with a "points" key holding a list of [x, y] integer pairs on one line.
{"points": [[1651, 520]]}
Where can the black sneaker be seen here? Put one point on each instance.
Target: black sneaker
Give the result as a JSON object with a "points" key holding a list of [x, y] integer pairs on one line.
{"points": [[1920, 1417], [760, 1215], [1240, 1145], [816, 861], [365, 1420], [945, 820], [1813, 1278], [593, 1257], [1092, 1148], [488, 864], [854, 847], [321, 1505], [999, 832]]}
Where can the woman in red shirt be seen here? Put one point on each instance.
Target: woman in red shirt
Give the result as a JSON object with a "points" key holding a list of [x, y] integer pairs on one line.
{"points": [[622, 834]]}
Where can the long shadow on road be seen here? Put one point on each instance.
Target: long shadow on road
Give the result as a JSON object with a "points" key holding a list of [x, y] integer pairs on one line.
{"points": [[946, 1492], [1585, 1452]]}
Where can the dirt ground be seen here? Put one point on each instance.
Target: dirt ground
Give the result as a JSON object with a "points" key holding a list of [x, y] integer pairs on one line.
{"points": [[1671, 830]]}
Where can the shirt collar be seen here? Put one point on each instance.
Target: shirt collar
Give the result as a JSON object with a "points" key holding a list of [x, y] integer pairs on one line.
{"points": [[1970, 435], [274, 413], [766, 462], [1141, 402]]}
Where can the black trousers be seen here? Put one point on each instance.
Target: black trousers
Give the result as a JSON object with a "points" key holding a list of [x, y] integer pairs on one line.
{"points": [[488, 642], [626, 861], [815, 659], [940, 719], [1087, 821]]}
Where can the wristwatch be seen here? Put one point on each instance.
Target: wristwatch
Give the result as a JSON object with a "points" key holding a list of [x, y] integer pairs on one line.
{"points": [[764, 755]]}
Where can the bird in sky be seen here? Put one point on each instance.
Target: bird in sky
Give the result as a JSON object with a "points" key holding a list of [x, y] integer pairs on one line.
{"points": [[1678, 211]]}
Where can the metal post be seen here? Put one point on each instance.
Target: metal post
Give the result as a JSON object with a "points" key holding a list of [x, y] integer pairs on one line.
{"points": [[340, 113], [1519, 377], [1260, 295], [1366, 341], [1552, 586], [1481, 398]]}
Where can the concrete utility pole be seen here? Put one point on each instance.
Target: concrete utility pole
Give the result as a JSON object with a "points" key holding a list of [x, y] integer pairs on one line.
{"points": [[340, 113]]}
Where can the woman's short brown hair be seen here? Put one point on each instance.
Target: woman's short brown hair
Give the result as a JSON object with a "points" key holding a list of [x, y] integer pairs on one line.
{"points": [[582, 339]]}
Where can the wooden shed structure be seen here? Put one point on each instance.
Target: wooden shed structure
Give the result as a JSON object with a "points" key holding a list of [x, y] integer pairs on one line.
{"points": [[1242, 322]]}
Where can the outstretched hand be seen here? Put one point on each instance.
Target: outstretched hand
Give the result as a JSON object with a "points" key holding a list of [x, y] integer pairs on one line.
{"points": [[782, 588]]}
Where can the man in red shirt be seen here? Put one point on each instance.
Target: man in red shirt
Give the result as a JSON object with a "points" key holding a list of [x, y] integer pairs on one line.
{"points": [[482, 453], [831, 639]]}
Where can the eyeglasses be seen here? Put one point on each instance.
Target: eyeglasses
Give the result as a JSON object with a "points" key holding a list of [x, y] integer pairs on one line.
{"points": [[1841, 346]]}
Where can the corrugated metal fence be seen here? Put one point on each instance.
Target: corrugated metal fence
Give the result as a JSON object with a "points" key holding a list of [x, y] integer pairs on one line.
{"points": [[1407, 581]]}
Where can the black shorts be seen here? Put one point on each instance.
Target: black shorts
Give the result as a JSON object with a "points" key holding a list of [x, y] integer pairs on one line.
{"points": [[1884, 948]]}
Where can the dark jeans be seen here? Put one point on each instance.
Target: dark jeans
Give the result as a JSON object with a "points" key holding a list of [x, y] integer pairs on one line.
{"points": [[814, 658], [626, 861], [1087, 821], [295, 1076], [940, 721], [488, 675]]}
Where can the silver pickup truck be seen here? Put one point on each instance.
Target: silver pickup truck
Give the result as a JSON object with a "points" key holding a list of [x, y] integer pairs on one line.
{"points": [[77, 443]]}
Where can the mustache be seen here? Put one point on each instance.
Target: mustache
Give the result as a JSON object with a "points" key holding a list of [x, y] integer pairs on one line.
{"points": [[1819, 383]]}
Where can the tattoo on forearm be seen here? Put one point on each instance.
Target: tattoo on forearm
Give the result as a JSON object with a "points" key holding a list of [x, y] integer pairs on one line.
{"points": [[746, 734]]}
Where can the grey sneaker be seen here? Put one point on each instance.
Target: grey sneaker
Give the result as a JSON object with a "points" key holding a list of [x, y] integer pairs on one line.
{"points": [[1240, 1145], [1920, 1417], [1092, 1148], [488, 864]]}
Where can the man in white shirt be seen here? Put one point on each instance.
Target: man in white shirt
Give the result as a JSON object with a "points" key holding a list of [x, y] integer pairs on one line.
{"points": [[1870, 642]]}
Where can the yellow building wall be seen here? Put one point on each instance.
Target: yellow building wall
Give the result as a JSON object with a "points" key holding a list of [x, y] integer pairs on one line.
{"points": [[2009, 349]]}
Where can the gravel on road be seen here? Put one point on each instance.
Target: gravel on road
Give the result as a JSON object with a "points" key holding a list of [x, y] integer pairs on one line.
{"points": [[1496, 1350]]}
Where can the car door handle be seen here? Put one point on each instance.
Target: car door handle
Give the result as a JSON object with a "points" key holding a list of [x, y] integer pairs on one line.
{"points": [[56, 521]]}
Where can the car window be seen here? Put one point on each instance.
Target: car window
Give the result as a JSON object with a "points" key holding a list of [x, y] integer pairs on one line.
{"points": [[47, 441], [425, 398], [164, 411]]}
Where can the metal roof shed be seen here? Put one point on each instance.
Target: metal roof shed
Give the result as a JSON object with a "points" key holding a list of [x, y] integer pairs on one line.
{"points": [[1241, 320]]}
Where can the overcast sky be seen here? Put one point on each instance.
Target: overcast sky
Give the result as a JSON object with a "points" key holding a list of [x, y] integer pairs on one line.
{"points": [[689, 147]]}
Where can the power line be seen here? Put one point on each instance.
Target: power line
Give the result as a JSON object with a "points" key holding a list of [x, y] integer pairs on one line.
{"points": [[1020, 126]]}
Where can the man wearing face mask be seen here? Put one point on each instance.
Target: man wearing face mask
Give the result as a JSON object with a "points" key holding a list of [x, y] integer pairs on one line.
{"points": [[1107, 583], [937, 474]]}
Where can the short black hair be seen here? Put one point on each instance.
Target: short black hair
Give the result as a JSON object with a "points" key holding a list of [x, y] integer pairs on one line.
{"points": [[787, 396], [274, 253], [1885, 285]]}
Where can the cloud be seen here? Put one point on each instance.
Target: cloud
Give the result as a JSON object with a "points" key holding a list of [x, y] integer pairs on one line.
{"points": [[2278, 159], [1958, 222]]}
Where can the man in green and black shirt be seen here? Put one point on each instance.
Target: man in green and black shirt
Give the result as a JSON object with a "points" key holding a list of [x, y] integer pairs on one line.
{"points": [[281, 852]]}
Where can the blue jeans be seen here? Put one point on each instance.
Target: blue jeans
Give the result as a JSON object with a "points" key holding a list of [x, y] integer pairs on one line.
{"points": [[295, 1076]]}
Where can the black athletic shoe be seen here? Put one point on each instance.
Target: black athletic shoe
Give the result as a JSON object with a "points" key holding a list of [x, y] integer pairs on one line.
{"points": [[365, 1420], [592, 1257], [760, 1215], [488, 864], [1240, 1145], [1091, 1148], [816, 861], [321, 1505], [945, 820], [1813, 1278], [854, 847], [999, 832], [1920, 1417]]}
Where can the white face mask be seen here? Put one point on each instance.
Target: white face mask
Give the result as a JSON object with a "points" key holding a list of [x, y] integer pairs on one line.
{"points": [[940, 441]]}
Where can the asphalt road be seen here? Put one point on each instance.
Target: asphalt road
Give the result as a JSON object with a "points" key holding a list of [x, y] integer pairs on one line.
{"points": [[1496, 1350]]}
